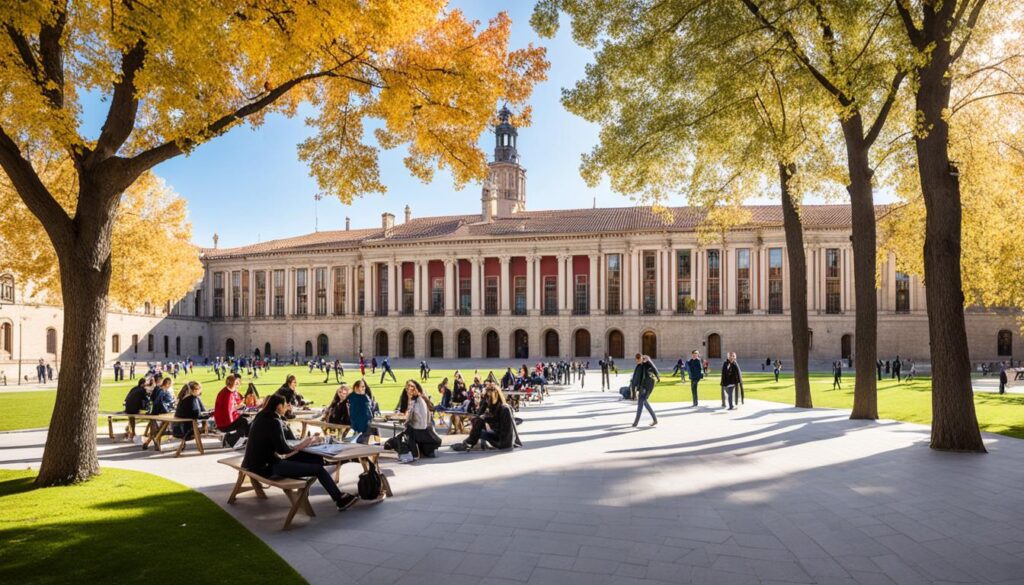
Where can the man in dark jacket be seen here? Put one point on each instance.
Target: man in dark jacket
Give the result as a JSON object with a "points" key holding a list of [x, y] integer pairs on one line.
{"points": [[731, 380], [644, 376], [1003, 378], [605, 380], [696, 371]]}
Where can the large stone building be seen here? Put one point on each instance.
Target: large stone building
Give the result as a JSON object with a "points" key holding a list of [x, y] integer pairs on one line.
{"points": [[508, 282]]}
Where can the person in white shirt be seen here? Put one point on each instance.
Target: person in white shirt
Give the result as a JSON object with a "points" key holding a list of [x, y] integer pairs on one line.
{"points": [[420, 438]]}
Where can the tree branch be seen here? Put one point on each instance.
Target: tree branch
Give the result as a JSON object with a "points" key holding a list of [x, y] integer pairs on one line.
{"points": [[51, 54], [32, 190], [883, 113], [972, 20], [124, 106], [916, 35]]}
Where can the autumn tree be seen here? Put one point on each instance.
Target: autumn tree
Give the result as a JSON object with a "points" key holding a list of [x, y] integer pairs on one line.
{"points": [[179, 73]]}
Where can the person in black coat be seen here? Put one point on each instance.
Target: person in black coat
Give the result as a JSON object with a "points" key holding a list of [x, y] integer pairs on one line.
{"points": [[496, 425], [267, 452], [731, 380], [190, 406], [644, 376], [878, 366], [1003, 378]]}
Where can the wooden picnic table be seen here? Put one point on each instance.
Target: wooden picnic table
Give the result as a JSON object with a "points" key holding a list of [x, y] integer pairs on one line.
{"points": [[163, 422], [327, 427], [456, 420], [364, 454]]}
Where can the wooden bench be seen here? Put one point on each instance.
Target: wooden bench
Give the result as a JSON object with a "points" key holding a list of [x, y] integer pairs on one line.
{"points": [[163, 421], [327, 427], [297, 490]]}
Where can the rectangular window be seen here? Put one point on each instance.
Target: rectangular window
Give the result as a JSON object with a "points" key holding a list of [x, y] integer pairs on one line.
{"points": [[684, 294], [775, 281], [236, 292], [149, 343], [320, 280], [360, 290], [832, 282], [408, 296], [437, 296], [340, 277], [714, 283], [491, 295], [614, 284], [743, 280], [245, 293], [383, 279], [301, 296], [902, 292], [218, 295], [279, 293], [519, 306], [465, 296], [261, 293], [198, 303], [649, 261], [581, 298], [135, 343], [550, 295]]}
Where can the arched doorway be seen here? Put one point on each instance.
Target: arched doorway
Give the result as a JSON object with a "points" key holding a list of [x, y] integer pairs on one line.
{"points": [[521, 343], [229, 347], [380, 343], [491, 344], [582, 343], [309, 349], [436, 344], [715, 346], [551, 343], [266, 350], [649, 344], [322, 347], [616, 344], [408, 344], [463, 343], [846, 346], [1004, 343]]}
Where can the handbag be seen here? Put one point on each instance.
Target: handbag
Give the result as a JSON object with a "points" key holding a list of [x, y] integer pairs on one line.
{"points": [[371, 484]]}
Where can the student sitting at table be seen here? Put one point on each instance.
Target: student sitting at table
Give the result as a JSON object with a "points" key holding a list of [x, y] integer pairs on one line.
{"points": [[287, 391], [360, 411], [137, 402], [496, 425], [445, 392], [337, 412], [268, 454], [509, 379], [161, 402], [252, 397], [419, 440], [459, 390], [227, 412], [191, 406]]}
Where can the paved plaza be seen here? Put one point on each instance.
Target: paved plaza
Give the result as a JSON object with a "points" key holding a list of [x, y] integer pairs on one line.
{"points": [[764, 494]]}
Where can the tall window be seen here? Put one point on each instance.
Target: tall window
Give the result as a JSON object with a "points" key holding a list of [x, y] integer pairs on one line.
{"points": [[519, 306], [339, 289], [301, 297], [245, 293], [408, 296], [167, 346], [550, 295], [1004, 343], [218, 295], [902, 292], [51, 340], [236, 292], [775, 281], [177, 346], [714, 283], [199, 345], [261, 293], [465, 296], [278, 293], [437, 296], [135, 343], [491, 295], [743, 280], [115, 344], [684, 294], [832, 296], [198, 303], [360, 290], [320, 281], [581, 302], [614, 284], [383, 278], [149, 343], [650, 281]]}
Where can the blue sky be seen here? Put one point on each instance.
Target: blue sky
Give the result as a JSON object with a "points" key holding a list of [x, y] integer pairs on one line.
{"points": [[249, 185]]}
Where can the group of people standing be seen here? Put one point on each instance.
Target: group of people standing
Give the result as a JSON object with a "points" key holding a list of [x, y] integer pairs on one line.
{"points": [[645, 376]]}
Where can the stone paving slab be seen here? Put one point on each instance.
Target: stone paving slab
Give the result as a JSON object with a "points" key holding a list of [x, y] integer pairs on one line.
{"points": [[764, 494]]}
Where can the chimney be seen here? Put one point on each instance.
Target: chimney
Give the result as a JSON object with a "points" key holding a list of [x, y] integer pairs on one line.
{"points": [[408, 213], [387, 221], [348, 224], [216, 239]]}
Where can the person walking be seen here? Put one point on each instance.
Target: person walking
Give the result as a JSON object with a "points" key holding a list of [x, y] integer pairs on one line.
{"points": [[362, 365], [583, 375], [778, 368], [1003, 378], [424, 371], [696, 370], [732, 379], [385, 369], [878, 366], [605, 378], [837, 374], [679, 368], [644, 377], [897, 369]]}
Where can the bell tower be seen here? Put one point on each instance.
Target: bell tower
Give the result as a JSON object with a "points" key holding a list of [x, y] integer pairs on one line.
{"points": [[506, 179]]}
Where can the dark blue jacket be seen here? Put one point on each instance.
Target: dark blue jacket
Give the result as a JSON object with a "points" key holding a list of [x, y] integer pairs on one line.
{"points": [[360, 412], [162, 402], [695, 369]]}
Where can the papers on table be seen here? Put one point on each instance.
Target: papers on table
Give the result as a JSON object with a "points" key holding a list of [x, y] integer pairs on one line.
{"points": [[324, 449]]}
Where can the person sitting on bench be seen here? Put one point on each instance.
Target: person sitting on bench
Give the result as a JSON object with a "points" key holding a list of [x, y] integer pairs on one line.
{"points": [[496, 425], [227, 412], [136, 402], [191, 406], [162, 402], [267, 452], [420, 440]]}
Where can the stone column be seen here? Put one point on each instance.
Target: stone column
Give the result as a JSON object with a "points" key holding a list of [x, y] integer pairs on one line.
{"points": [[416, 305], [503, 300], [592, 283], [531, 284], [562, 278], [450, 301], [474, 285], [367, 287], [310, 293], [673, 283]]}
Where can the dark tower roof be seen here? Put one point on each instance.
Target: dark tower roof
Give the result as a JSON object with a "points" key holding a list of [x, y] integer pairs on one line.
{"points": [[505, 138]]}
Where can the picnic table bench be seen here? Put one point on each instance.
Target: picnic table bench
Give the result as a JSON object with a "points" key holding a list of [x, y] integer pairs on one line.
{"points": [[456, 421], [327, 427], [163, 422]]}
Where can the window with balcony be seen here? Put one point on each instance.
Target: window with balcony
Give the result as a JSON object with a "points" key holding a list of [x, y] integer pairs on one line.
{"points": [[550, 295], [833, 298], [902, 292], [519, 290], [437, 296], [261, 293], [465, 296], [279, 293], [340, 280], [360, 290], [408, 296], [684, 293], [236, 292], [581, 296], [301, 294], [743, 280], [649, 260], [383, 280], [491, 295], [245, 293], [613, 284], [218, 295], [775, 281], [714, 306], [320, 290]]}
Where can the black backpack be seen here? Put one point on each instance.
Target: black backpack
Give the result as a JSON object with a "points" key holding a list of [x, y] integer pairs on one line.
{"points": [[371, 484]]}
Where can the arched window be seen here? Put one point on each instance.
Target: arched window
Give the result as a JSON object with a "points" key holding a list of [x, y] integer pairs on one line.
{"points": [[582, 339], [436, 344], [551, 343], [616, 346], [649, 344], [1004, 343], [521, 344], [229, 347], [380, 343], [491, 344], [309, 349], [51, 340], [463, 342], [846, 346], [266, 350], [408, 344], [714, 346], [115, 343], [7, 338], [148, 308], [321, 345]]}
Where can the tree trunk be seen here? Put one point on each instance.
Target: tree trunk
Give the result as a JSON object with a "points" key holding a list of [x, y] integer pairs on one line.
{"points": [[84, 258], [954, 422], [862, 215], [794, 230]]}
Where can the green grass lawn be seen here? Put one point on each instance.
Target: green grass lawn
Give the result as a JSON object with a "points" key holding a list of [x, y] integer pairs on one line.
{"points": [[125, 527], [907, 401]]}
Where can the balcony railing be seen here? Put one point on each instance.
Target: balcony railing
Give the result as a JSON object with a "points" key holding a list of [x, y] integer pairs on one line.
{"points": [[464, 311]]}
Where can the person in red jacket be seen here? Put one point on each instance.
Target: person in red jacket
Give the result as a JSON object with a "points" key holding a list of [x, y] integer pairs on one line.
{"points": [[227, 412]]}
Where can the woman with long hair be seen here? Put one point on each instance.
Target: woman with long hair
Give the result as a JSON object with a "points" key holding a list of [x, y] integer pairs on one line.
{"points": [[420, 438], [495, 426]]}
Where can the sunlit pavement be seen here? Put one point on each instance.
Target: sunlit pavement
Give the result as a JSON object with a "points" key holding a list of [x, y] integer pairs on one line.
{"points": [[762, 494]]}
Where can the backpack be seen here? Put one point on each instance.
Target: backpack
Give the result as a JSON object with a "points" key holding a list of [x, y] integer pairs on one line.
{"points": [[371, 484]]}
